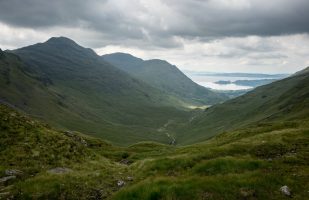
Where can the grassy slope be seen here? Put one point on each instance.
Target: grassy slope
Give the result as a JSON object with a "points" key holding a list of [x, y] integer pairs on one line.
{"points": [[70, 87], [166, 77], [250, 163], [285, 99], [34, 148]]}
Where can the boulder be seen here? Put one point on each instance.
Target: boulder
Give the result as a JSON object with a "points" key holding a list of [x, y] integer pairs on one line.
{"points": [[285, 190], [76, 137], [125, 162], [59, 170], [247, 193], [13, 172], [120, 183], [6, 179], [68, 133]]}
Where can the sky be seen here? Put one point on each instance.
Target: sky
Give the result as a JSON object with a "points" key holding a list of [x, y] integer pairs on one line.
{"points": [[264, 36]]}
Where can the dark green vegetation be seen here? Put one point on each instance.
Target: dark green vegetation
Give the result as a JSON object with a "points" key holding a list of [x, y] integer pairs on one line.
{"points": [[286, 99], [259, 141], [33, 148], [232, 93], [249, 163], [71, 87], [165, 77]]}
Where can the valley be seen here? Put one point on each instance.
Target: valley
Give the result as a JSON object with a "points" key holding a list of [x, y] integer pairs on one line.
{"points": [[154, 100], [166, 77], [73, 89], [252, 162], [75, 125]]}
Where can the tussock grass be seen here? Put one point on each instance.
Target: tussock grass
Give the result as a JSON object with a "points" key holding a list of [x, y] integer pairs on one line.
{"points": [[248, 163]]}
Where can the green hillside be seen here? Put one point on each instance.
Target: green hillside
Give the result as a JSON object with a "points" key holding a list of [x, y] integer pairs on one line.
{"points": [[250, 147], [70, 87], [166, 77], [286, 99], [37, 162], [34, 160]]}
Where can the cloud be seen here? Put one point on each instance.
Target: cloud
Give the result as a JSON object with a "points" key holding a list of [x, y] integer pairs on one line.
{"points": [[285, 54], [248, 35], [215, 18], [158, 22]]}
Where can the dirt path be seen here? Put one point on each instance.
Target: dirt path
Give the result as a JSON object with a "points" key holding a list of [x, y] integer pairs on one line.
{"points": [[173, 140], [163, 129]]}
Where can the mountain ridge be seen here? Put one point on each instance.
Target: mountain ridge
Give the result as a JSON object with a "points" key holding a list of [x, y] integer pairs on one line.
{"points": [[82, 92], [166, 77], [282, 100]]}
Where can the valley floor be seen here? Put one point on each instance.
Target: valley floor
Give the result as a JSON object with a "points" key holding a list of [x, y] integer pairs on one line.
{"points": [[37, 162]]}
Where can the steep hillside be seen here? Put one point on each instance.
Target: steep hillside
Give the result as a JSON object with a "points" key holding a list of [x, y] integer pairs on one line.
{"points": [[37, 162], [25, 90], [282, 100], [166, 77], [71, 87]]}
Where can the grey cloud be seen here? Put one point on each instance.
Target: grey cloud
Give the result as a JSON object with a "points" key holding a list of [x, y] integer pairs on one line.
{"points": [[237, 53], [267, 56], [36, 13], [256, 17], [147, 23]]}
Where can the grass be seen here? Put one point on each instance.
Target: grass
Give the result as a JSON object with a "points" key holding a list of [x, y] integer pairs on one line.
{"points": [[34, 148], [165, 77], [284, 100], [248, 163], [249, 167], [261, 148], [73, 90]]}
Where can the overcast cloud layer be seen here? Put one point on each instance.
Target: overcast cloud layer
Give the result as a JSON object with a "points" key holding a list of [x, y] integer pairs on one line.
{"points": [[203, 35]]}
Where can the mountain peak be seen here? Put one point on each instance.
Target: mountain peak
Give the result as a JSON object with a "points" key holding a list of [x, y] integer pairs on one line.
{"points": [[67, 44], [122, 56], [158, 61], [61, 40]]}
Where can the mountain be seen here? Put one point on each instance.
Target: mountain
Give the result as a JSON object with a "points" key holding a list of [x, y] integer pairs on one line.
{"points": [[283, 100], [39, 162], [25, 90], [258, 147], [70, 87], [31, 150], [166, 77], [264, 153]]}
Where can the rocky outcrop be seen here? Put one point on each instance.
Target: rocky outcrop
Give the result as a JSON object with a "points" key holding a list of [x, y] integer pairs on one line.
{"points": [[120, 183], [76, 137], [285, 190], [6, 179], [59, 170], [13, 172]]}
